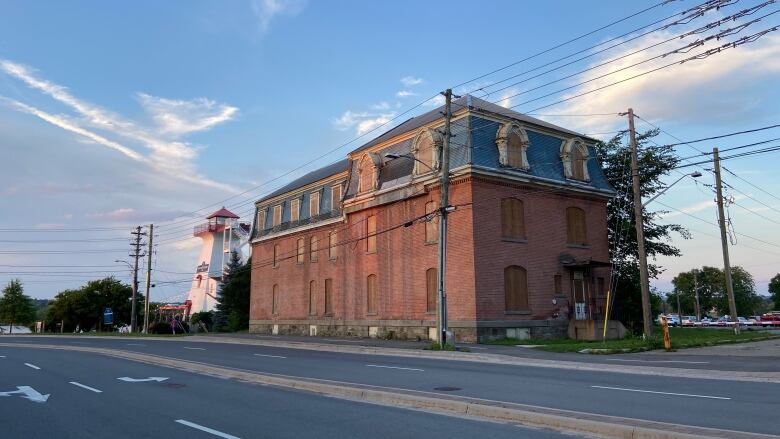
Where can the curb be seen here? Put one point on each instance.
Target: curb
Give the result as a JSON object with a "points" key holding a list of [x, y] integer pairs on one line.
{"points": [[533, 416]]}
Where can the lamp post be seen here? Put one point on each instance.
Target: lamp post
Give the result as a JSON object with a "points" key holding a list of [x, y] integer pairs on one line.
{"points": [[696, 174]]}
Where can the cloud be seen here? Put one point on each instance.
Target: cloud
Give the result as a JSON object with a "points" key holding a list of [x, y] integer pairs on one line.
{"points": [[405, 93], [179, 117], [507, 97], [437, 101], [266, 10], [363, 122], [168, 155], [411, 81], [381, 106]]}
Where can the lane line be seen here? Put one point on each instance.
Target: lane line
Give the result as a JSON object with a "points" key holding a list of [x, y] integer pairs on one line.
{"points": [[659, 393], [269, 356], [32, 365], [474, 347], [395, 367], [2, 356], [658, 361], [206, 429], [92, 389], [194, 349], [135, 344]]}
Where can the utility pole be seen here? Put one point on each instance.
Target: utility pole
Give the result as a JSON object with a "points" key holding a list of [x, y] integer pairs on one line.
{"points": [[441, 318], [135, 255], [644, 282], [696, 293], [724, 240], [148, 279]]}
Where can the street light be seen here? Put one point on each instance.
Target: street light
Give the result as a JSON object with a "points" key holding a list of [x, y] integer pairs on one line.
{"points": [[695, 174]]}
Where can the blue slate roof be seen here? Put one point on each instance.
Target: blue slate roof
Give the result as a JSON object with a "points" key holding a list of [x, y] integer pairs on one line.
{"points": [[311, 177]]}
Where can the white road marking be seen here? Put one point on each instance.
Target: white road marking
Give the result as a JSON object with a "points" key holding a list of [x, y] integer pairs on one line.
{"points": [[2, 356], [269, 356], [32, 365], [206, 429], [91, 389], [135, 344], [659, 361], [28, 392], [141, 380], [394, 367], [194, 349], [660, 393], [78, 342], [474, 347]]}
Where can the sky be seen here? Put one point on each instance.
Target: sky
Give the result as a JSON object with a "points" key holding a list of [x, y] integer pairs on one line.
{"points": [[115, 114]]}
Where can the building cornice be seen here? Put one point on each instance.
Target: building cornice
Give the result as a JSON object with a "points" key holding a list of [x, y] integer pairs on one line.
{"points": [[301, 190], [299, 229]]}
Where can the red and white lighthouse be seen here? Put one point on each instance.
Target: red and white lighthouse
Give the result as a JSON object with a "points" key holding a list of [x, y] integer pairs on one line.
{"points": [[222, 234]]}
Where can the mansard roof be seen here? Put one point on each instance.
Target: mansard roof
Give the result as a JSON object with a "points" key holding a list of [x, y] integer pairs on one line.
{"points": [[312, 177], [472, 103]]}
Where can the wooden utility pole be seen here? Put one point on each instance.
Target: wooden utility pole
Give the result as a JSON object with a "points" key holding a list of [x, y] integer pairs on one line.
{"points": [[696, 293], [644, 282], [724, 240], [441, 318], [135, 255], [148, 279]]}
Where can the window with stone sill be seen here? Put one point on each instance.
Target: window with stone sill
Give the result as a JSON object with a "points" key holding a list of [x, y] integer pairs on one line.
{"points": [[575, 157], [512, 143], [426, 148]]}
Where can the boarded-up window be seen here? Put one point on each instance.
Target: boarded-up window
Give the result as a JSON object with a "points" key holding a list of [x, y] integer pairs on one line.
{"points": [[328, 296], [514, 151], [332, 244], [277, 254], [314, 204], [600, 291], [312, 298], [366, 182], [277, 214], [313, 248], [558, 284], [432, 222], [335, 197], [516, 288], [512, 219], [576, 230], [371, 294], [431, 289], [578, 162], [371, 234], [260, 221], [425, 152], [300, 250], [275, 299], [295, 209]]}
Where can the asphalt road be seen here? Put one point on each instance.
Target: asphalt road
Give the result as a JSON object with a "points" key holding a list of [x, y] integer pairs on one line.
{"points": [[86, 399], [739, 406]]}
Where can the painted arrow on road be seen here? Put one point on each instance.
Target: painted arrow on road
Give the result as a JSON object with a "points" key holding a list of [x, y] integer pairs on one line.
{"points": [[141, 380], [28, 393]]}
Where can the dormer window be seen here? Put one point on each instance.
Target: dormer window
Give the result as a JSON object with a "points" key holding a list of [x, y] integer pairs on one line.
{"points": [[425, 148], [367, 170], [575, 156], [512, 143]]}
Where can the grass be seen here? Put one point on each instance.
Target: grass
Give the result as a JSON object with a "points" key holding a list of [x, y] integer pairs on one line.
{"points": [[681, 338]]}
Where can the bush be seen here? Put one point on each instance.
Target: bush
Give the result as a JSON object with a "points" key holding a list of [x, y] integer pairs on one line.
{"points": [[161, 328], [205, 317]]}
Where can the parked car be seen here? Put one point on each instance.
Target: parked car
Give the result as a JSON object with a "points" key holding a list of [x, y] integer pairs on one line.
{"points": [[706, 321], [744, 322], [689, 321], [770, 320]]}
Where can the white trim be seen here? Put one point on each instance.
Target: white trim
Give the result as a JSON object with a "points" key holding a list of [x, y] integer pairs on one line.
{"points": [[297, 191], [298, 229]]}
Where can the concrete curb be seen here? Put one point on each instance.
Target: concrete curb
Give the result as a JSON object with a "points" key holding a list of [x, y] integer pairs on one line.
{"points": [[498, 359], [540, 417]]}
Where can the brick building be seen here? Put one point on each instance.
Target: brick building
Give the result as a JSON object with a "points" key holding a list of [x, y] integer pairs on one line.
{"points": [[351, 248]]}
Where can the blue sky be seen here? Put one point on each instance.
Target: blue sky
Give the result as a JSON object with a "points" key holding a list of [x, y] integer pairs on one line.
{"points": [[119, 114]]}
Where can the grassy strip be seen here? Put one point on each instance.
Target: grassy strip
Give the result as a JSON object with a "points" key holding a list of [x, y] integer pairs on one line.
{"points": [[681, 338]]}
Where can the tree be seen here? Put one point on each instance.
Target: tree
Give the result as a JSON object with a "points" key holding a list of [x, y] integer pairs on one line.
{"points": [[83, 308], [712, 291], [15, 306], [655, 162], [774, 290], [233, 300]]}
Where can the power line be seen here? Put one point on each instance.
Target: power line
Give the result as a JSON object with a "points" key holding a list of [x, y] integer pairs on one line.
{"points": [[724, 135], [751, 184]]}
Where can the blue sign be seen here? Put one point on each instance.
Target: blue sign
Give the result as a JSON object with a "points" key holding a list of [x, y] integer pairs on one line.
{"points": [[108, 316]]}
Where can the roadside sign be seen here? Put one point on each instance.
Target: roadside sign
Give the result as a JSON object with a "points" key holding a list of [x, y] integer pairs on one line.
{"points": [[108, 316]]}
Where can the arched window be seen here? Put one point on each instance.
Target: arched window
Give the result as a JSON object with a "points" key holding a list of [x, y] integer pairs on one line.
{"points": [[312, 298], [333, 239], [516, 288], [512, 143], [575, 156], [328, 297], [367, 174], [431, 289], [371, 234], [275, 299], [371, 294], [426, 147], [576, 228], [432, 222], [300, 250], [512, 219]]}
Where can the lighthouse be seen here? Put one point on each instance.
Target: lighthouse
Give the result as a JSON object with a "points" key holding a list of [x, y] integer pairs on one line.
{"points": [[221, 234]]}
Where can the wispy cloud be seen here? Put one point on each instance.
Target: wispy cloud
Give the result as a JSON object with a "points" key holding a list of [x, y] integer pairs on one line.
{"points": [[363, 122], [175, 118], [405, 93], [411, 81], [266, 10]]}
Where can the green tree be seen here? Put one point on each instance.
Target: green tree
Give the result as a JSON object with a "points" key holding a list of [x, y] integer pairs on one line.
{"points": [[774, 290], [233, 300], [15, 306], [712, 291], [654, 163], [83, 308]]}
